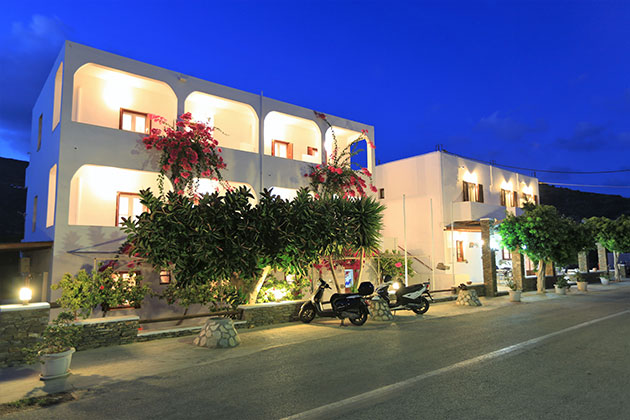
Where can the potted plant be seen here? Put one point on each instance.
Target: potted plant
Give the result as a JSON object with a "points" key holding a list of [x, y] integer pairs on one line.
{"points": [[54, 351], [561, 285], [515, 294], [581, 281], [605, 278]]}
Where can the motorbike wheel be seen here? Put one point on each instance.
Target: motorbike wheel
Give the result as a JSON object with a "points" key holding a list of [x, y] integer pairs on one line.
{"points": [[361, 319], [424, 306], [307, 313]]}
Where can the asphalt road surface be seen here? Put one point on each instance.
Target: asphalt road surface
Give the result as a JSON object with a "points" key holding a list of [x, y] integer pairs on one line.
{"points": [[556, 359]]}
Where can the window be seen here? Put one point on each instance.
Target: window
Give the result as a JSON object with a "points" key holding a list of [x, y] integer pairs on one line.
{"points": [[128, 205], [473, 192], [381, 193], [509, 198], [282, 149], [134, 121], [52, 186], [39, 132], [130, 278], [459, 249], [165, 277], [535, 199], [34, 212], [311, 151], [506, 254], [57, 99]]}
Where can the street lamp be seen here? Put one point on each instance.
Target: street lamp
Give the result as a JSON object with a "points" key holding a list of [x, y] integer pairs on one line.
{"points": [[25, 295]]}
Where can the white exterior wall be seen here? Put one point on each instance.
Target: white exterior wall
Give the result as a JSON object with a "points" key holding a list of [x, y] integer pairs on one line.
{"points": [[433, 182], [74, 144]]}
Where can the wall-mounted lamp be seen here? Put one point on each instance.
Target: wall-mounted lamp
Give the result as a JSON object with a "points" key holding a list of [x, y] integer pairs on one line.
{"points": [[182, 78], [26, 294]]}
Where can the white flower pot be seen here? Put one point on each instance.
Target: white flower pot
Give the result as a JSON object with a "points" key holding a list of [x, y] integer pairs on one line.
{"points": [[604, 281], [560, 290], [515, 295], [56, 365], [581, 285]]}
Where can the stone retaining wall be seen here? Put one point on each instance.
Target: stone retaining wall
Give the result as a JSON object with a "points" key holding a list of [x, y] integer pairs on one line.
{"points": [[270, 313], [20, 327], [103, 332]]}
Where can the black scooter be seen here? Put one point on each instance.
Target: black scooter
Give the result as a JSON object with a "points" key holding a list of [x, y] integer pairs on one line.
{"points": [[344, 305], [407, 297]]}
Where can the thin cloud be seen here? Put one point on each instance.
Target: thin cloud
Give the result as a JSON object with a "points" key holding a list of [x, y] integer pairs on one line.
{"points": [[507, 128], [27, 53]]}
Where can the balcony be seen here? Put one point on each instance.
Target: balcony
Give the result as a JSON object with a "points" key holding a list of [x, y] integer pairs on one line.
{"points": [[469, 210]]}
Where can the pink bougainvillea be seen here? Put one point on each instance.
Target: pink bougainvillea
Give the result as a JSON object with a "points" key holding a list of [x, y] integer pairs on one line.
{"points": [[336, 177], [189, 151]]}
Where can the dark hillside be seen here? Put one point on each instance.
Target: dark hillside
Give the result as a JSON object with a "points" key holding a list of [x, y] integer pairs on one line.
{"points": [[13, 193], [579, 205]]}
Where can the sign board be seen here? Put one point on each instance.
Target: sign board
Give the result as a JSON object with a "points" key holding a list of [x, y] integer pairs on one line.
{"points": [[349, 278]]}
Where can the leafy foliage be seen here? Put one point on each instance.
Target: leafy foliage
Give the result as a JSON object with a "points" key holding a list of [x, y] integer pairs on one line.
{"points": [[188, 150], [393, 264], [614, 235], [58, 337], [220, 294], [544, 235], [82, 293]]}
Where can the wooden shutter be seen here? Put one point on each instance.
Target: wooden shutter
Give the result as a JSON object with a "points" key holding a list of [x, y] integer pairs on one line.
{"points": [[503, 197], [515, 199], [466, 197], [536, 199], [480, 193], [290, 151]]}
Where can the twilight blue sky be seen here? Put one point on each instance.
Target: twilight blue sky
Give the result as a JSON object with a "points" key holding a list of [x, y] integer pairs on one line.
{"points": [[536, 84]]}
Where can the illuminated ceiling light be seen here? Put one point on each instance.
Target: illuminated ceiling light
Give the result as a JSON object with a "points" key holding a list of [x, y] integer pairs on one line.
{"points": [[117, 96]]}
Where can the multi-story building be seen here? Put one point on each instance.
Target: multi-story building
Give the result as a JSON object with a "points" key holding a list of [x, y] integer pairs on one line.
{"points": [[443, 206], [87, 160]]}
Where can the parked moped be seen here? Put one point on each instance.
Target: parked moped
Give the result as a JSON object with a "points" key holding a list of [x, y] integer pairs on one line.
{"points": [[407, 297], [343, 305]]}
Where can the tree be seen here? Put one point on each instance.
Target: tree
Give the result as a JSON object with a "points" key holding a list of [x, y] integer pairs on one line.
{"points": [[543, 235], [614, 235]]}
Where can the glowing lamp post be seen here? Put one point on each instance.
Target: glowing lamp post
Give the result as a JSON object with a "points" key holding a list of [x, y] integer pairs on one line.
{"points": [[25, 295]]}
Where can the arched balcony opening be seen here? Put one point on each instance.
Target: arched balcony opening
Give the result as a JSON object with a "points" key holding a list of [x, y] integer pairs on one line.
{"points": [[116, 99], [103, 195], [236, 122], [344, 138], [291, 137]]}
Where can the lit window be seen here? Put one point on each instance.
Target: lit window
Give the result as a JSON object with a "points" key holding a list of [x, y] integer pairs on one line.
{"points": [[506, 254], [509, 198], [473, 192], [459, 247], [282, 149], [165, 277], [127, 206], [134, 121], [57, 98], [52, 186], [130, 278]]}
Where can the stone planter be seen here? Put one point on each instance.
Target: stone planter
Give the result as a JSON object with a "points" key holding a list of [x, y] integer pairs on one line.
{"points": [[604, 281], [581, 285], [218, 333], [560, 290], [468, 298], [379, 310], [56, 365], [515, 295]]}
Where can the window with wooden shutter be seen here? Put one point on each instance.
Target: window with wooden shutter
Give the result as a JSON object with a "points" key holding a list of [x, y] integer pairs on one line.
{"points": [[504, 194], [282, 149], [466, 191], [479, 193], [536, 199], [515, 199], [459, 247]]}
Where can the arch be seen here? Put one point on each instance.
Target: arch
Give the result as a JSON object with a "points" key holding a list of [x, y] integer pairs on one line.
{"points": [[365, 158], [292, 137], [100, 94], [95, 190], [237, 122]]}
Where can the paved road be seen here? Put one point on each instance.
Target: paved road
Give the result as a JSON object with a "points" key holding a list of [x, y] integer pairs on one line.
{"points": [[434, 368]]}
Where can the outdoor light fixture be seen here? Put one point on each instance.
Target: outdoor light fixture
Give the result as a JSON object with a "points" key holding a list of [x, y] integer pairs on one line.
{"points": [[25, 295], [396, 286]]}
